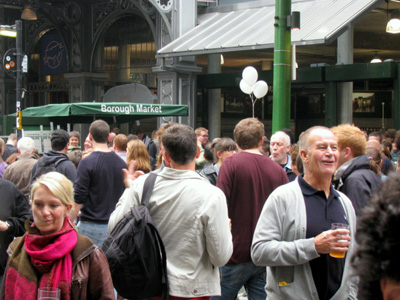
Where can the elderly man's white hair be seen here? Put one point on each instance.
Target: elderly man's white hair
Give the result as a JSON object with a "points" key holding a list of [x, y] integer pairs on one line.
{"points": [[26, 145], [280, 134]]}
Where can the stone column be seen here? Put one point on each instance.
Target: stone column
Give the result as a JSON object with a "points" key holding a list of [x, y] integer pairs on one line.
{"points": [[177, 75], [85, 86], [214, 99], [345, 89], [124, 63]]}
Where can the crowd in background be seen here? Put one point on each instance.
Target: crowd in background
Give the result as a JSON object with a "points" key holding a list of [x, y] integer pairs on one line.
{"points": [[252, 211]]}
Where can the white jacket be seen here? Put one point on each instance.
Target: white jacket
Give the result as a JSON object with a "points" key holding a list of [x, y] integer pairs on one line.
{"points": [[191, 216], [280, 243]]}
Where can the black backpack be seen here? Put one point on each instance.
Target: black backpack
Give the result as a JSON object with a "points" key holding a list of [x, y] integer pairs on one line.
{"points": [[43, 167], [136, 253]]}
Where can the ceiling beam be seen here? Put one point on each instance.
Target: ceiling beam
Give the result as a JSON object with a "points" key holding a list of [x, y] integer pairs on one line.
{"points": [[379, 41]]}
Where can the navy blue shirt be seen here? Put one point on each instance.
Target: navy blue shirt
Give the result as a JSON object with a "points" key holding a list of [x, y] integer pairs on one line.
{"points": [[321, 213], [99, 185]]}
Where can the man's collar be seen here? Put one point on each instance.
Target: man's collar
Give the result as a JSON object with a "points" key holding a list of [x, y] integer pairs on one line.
{"points": [[288, 165], [308, 190], [340, 171]]}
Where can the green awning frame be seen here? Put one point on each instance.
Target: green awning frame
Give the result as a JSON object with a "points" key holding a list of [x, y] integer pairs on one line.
{"points": [[111, 112]]}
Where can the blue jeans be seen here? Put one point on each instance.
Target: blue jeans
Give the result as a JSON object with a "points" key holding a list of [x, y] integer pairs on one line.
{"points": [[96, 232], [234, 276]]}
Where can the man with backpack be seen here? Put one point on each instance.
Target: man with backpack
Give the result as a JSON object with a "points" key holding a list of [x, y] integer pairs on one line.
{"points": [[191, 217], [56, 159]]}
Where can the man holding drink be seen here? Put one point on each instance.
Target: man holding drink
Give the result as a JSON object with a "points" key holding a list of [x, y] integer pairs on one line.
{"points": [[295, 237]]}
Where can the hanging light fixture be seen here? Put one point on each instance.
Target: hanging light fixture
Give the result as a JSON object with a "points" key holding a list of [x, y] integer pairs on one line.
{"points": [[393, 26], [28, 13], [376, 59]]}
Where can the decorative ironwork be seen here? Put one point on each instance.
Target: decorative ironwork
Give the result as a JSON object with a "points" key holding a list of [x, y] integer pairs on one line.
{"points": [[76, 93], [166, 96], [100, 12], [76, 56], [39, 87], [125, 4], [13, 2], [32, 27], [165, 36], [72, 12], [147, 7]]}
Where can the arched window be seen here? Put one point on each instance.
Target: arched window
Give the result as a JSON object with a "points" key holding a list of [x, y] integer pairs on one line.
{"points": [[126, 51]]}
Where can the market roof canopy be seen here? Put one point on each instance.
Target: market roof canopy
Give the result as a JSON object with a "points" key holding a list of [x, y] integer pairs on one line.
{"points": [[250, 27], [86, 112]]}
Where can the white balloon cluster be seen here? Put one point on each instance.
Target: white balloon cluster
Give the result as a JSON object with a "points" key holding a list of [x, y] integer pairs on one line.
{"points": [[249, 85]]}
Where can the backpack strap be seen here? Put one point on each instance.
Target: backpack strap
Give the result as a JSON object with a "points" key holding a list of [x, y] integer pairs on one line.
{"points": [[165, 288], [148, 188], [147, 191], [60, 160]]}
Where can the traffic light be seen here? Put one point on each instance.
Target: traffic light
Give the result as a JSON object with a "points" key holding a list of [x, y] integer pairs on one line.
{"points": [[10, 62]]}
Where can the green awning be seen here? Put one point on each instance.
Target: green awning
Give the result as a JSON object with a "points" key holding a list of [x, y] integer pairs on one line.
{"points": [[106, 109], [112, 112]]}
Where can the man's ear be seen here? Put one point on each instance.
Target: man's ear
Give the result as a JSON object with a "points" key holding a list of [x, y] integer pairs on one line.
{"points": [[348, 153], [90, 137], [167, 157], [261, 142], [303, 155]]}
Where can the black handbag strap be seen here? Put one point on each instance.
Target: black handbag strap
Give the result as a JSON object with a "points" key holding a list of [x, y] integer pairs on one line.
{"points": [[148, 188]]}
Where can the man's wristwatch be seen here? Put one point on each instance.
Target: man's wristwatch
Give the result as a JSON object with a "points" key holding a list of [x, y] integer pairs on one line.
{"points": [[8, 224]]}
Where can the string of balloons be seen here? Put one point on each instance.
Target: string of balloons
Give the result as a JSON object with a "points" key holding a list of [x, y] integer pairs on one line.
{"points": [[249, 85]]}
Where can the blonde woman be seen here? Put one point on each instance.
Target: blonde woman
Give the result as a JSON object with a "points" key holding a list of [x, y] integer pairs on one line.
{"points": [[137, 152], [52, 253]]}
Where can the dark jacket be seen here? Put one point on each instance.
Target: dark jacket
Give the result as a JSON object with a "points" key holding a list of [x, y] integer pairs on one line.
{"points": [[357, 181], [15, 209], [91, 277], [209, 172], [63, 164], [8, 150], [152, 148]]}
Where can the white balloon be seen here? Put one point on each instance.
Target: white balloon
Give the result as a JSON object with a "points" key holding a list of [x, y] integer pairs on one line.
{"points": [[245, 87], [260, 89], [250, 75]]}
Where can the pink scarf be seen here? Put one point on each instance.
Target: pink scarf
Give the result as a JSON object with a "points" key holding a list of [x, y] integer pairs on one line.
{"points": [[50, 256]]}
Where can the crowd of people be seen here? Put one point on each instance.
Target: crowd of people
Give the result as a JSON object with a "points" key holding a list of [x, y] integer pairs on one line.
{"points": [[248, 212]]}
